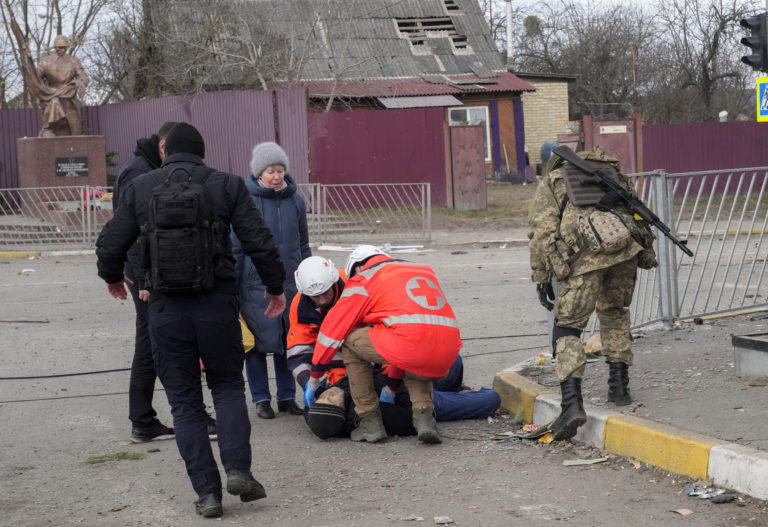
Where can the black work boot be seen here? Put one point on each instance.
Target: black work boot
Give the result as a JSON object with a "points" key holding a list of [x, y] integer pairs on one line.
{"points": [[242, 483], [209, 505], [572, 414], [618, 383]]}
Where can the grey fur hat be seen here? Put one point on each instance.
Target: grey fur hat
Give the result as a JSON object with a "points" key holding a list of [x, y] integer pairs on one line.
{"points": [[265, 155]]}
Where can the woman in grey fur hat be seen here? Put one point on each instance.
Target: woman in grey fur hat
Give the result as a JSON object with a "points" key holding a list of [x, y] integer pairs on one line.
{"points": [[274, 192]]}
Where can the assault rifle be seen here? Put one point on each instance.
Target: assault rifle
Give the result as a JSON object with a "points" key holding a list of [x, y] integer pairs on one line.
{"points": [[615, 192]]}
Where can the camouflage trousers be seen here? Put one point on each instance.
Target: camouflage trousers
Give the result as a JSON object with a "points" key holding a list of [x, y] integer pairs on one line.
{"points": [[608, 292]]}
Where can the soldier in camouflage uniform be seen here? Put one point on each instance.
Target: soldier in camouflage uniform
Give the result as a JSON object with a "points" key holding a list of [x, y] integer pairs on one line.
{"points": [[591, 278]]}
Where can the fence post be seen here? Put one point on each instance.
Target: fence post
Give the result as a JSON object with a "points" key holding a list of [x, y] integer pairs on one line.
{"points": [[427, 204], [662, 204]]}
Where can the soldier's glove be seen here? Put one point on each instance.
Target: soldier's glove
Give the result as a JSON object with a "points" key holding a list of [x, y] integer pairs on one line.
{"points": [[546, 295]]}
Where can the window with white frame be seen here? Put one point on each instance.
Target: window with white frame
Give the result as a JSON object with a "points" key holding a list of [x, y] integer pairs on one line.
{"points": [[471, 116]]}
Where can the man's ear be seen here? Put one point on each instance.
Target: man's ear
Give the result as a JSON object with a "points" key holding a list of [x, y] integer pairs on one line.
{"points": [[161, 148]]}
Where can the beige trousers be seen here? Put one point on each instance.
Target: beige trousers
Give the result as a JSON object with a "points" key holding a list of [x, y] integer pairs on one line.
{"points": [[358, 354]]}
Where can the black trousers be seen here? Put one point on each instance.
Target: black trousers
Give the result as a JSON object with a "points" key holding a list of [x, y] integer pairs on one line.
{"points": [[141, 386], [186, 329]]}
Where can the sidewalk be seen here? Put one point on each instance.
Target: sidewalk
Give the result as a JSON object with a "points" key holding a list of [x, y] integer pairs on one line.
{"points": [[690, 413]]}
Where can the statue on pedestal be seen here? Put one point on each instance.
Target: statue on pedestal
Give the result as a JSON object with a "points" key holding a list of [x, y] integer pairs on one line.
{"points": [[58, 82]]}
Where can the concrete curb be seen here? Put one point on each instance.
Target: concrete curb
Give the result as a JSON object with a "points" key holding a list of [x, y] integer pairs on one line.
{"points": [[730, 465]]}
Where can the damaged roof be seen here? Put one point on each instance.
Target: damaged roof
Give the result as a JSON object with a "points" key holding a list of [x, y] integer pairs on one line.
{"points": [[348, 39]]}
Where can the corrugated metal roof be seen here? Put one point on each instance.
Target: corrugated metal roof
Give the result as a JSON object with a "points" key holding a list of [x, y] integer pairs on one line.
{"points": [[505, 82], [365, 31], [419, 102]]}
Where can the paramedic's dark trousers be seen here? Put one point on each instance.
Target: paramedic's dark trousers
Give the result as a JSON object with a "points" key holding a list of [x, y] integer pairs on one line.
{"points": [[141, 387], [184, 330]]}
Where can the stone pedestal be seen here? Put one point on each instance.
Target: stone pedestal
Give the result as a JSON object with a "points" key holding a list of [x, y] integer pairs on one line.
{"points": [[62, 161], [56, 172]]}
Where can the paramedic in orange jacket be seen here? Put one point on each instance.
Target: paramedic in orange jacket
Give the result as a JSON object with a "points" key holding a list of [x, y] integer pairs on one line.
{"points": [[308, 309], [408, 324]]}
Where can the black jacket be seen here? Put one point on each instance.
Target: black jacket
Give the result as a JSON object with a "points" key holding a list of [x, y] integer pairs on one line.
{"points": [[232, 206], [146, 158]]}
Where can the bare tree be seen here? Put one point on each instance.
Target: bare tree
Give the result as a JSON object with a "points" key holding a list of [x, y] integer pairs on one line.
{"points": [[569, 37], [687, 63], [695, 70]]}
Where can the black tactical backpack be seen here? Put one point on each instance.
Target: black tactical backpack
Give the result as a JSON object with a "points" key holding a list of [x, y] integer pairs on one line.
{"points": [[180, 237]]}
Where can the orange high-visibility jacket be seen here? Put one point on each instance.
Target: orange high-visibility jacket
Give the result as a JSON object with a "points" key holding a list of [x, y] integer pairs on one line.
{"points": [[412, 325], [302, 335]]}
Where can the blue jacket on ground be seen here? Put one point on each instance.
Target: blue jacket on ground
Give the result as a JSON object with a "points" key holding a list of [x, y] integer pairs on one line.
{"points": [[285, 214]]}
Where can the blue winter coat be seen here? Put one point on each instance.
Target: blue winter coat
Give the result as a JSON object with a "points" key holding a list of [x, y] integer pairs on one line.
{"points": [[285, 214]]}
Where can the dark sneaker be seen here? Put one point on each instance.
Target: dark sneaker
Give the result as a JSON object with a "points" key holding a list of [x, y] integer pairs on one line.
{"points": [[157, 430], [290, 406], [242, 483], [212, 433], [209, 505]]}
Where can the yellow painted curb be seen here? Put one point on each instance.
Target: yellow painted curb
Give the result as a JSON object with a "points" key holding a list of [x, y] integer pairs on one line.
{"points": [[518, 394], [661, 445], [18, 254]]}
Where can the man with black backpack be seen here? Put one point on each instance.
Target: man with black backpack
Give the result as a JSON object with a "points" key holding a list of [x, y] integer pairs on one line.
{"points": [[181, 214]]}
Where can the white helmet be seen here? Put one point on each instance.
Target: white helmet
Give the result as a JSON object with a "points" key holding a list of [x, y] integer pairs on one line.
{"points": [[315, 275], [361, 253]]}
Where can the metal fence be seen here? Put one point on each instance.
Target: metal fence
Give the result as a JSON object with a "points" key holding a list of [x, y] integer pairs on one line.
{"points": [[723, 215], [72, 217]]}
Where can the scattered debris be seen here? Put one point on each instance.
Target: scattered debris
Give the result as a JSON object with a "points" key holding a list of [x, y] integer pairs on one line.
{"points": [[758, 381], [458, 252], [708, 493], [594, 345], [26, 272], [684, 512], [46, 321], [443, 520], [534, 432], [541, 358], [579, 462], [723, 498], [412, 519], [547, 438], [698, 321]]}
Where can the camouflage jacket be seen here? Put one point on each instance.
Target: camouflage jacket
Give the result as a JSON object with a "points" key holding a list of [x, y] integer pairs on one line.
{"points": [[554, 242]]}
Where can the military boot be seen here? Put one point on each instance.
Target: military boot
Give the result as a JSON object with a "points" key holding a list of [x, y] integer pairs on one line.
{"points": [[572, 414], [618, 383], [426, 426], [370, 428]]}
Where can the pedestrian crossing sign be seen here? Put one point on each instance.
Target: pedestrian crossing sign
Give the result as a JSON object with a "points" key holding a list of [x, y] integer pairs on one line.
{"points": [[762, 99]]}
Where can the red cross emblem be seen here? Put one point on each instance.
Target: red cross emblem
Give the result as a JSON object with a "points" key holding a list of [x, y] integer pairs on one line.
{"points": [[425, 292]]}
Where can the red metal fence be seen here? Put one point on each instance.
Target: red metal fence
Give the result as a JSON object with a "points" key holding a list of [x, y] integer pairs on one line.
{"points": [[393, 146], [705, 146]]}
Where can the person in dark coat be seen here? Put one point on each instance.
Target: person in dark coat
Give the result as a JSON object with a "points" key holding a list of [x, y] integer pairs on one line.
{"points": [[274, 193], [187, 327], [141, 387]]}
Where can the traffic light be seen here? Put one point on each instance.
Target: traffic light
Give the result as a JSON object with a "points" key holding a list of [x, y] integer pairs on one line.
{"points": [[757, 41]]}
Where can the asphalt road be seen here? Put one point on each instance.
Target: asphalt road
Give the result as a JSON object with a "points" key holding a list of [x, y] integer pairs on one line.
{"points": [[57, 318]]}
